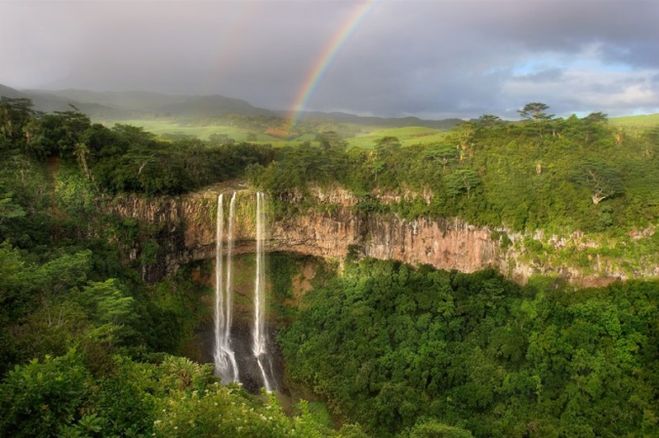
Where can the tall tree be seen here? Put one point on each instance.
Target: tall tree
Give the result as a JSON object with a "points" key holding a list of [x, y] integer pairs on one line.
{"points": [[602, 181], [331, 139], [15, 113], [594, 125], [535, 111]]}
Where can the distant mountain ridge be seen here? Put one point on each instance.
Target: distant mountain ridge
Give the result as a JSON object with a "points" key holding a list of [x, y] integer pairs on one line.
{"points": [[9, 92], [118, 105], [48, 102], [394, 122], [145, 103]]}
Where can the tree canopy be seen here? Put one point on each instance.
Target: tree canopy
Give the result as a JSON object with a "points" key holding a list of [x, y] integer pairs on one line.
{"points": [[442, 353]]}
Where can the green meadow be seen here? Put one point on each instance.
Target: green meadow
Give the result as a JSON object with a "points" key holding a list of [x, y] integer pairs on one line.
{"points": [[202, 130], [408, 136], [636, 122], [357, 136]]}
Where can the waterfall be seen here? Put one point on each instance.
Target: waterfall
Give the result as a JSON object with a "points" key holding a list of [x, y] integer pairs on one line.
{"points": [[259, 339], [229, 285], [225, 359], [226, 365]]}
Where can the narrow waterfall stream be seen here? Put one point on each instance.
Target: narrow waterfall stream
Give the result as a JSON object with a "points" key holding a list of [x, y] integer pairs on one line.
{"points": [[224, 356], [229, 286], [231, 353], [259, 339]]}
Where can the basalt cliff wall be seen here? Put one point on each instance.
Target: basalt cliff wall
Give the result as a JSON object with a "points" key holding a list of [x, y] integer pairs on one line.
{"points": [[333, 228]]}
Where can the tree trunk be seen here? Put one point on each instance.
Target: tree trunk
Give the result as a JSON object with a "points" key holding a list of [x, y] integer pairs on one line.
{"points": [[597, 198]]}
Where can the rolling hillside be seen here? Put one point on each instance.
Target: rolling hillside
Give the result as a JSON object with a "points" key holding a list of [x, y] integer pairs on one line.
{"points": [[133, 105]]}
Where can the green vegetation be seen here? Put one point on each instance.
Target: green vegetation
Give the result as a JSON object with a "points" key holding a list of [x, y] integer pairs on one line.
{"points": [[205, 130], [257, 131], [401, 349], [542, 173], [124, 158], [172, 397], [640, 121], [86, 345], [408, 136]]}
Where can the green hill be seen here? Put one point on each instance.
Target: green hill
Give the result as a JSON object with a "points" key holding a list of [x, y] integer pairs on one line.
{"points": [[176, 109], [133, 104], [9, 92], [394, 122]]}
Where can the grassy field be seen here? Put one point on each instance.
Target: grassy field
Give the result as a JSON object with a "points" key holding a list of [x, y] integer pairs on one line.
{"points": [[637, 122], [163, 127], [409, 135], [366, 138], [204, 130]]}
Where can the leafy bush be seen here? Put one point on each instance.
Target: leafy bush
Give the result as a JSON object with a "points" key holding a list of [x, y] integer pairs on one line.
{"points": [[43, 398]]}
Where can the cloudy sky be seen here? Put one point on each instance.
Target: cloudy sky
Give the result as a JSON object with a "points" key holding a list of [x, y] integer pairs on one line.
{"points": [[427, 58]]}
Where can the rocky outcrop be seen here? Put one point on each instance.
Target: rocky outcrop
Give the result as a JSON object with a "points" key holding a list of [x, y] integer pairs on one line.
{"points": [[444, 244], [332, 229], [187, 227]]}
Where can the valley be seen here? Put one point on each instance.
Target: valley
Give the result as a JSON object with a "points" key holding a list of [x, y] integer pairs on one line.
{"points": [[329, 219], [348, 280]]}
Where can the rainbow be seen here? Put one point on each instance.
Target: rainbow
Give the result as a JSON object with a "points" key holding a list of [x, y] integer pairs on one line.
{"points": [[324, 60]]}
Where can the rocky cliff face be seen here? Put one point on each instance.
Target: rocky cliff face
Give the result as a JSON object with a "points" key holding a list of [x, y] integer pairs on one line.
{"points": [[187, 233], [444, 244]]}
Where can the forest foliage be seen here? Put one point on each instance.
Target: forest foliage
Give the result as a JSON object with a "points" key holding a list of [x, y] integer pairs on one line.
{"points": [[123, 158], [88, 347], [540, 173], [543, 172], [393, 347]]}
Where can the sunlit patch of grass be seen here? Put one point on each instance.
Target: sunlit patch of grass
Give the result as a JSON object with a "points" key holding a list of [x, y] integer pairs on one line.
{"points": [[408, 135], [641, 121], [164, 127], [365, 137]]}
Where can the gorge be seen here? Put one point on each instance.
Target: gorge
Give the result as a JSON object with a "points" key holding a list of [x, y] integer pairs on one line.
{"points": [[199, 227], [334, 228], [157, 287]]}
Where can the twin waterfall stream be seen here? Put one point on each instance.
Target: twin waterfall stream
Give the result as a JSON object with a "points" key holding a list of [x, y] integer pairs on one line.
{"points": [[224, 354]]}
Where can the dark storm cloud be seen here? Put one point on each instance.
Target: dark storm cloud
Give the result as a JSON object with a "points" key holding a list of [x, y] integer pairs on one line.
{"points": [[551, 74], [437, 58]]}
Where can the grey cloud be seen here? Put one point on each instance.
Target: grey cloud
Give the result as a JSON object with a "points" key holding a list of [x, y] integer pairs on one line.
{"points": [[551, 74], [428, 58]]}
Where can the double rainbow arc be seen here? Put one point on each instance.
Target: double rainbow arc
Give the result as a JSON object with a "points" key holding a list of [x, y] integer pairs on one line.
{"points": [[323, 61]]}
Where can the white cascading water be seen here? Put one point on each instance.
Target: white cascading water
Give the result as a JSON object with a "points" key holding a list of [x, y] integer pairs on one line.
{"points": [[224, 356], [259, 339]]}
